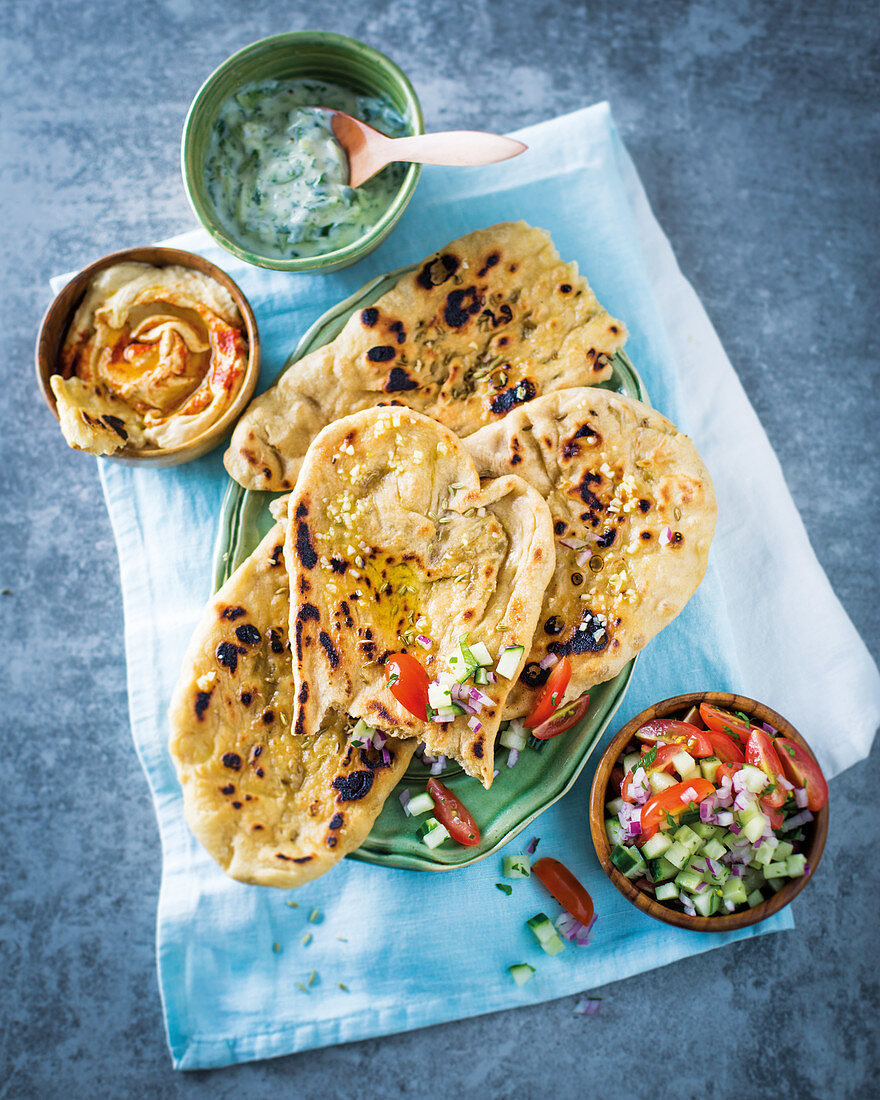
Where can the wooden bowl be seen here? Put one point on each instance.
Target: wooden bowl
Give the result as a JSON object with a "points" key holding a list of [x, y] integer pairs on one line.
{"points": [[60, 313], [815, 832]]}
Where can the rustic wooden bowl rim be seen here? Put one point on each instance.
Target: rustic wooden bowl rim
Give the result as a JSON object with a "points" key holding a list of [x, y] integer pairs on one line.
{"points": [[599, 796], [57, 319]]}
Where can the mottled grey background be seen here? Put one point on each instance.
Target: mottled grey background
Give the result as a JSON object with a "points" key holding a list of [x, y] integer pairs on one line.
{"points": [[755, 128]]}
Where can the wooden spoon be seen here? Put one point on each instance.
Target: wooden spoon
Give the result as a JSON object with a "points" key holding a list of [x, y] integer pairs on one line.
{"points": [[368, 151]]}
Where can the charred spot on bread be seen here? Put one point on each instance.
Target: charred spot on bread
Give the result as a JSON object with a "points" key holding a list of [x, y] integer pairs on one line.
{"points": [[525, 390], [227, 655], [203, 698], [231, 760], [369, 316], [248, 634], [437, 270], [304, 549], [230, 614], [354, 786], [461, 305], [398, 380]]}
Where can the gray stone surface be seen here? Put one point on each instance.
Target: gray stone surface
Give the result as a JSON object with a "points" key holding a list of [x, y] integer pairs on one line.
{"points": [[755, 128]]}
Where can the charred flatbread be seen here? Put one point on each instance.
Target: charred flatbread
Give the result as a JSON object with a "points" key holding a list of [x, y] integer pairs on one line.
{"points": [[394, 545], [485, 325], [271, 807], [634, 512]]}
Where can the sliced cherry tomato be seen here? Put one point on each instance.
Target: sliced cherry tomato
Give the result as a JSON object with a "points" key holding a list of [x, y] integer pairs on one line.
{"points": [[410, 688], [452, 813], [774, 814], [563, 719], [669, 801], [725, 748], [662, 762], [728, 770], [673, 732], [801, 769], [723, 721], [761, 754], [567, 890], [551, 694]]}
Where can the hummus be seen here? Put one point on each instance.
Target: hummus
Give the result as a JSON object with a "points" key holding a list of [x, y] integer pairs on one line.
{"points": [[154, 356]]}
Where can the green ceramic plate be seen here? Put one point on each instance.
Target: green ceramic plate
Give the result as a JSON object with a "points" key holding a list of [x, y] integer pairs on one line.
{"points": [[519, 794]]}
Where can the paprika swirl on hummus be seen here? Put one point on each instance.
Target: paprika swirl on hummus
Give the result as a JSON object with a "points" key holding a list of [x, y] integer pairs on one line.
{"points": [[153, 357]]}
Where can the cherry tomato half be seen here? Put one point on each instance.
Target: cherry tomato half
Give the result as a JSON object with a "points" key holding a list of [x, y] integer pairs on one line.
{"points": [[669, 801], [728, 770], [410, 688], [662, 762], [453, 814], [567, 890], [761, 754], [551, 694], [723, 721], [775, 815], [671, 731], [801, 769], [563, 719], [725, 748]]}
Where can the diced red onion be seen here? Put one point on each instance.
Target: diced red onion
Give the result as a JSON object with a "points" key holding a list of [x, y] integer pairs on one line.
{"points": [[723, 799], [799, 819], [587, 1006], [532, 845], [743, 800], [379, 740], [701, 886], [512, 757], [573, 544], [806, 868], [768, 729], [724, 818], [492, 677], [438, 766], [739, 782], [386, 758], [404, 797], [784, 783], [443, 716], [424, 641], [801, 798], [633, 828], [735, 828], [475, 724], [706, 813], [689, 795], [496, 773], [738, 870], [713, 866], [479, 698], [729, 905], [549, 661]]}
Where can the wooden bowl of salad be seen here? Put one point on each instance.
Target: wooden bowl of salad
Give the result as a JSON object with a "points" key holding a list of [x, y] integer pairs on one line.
{"points": [[708, 811]]}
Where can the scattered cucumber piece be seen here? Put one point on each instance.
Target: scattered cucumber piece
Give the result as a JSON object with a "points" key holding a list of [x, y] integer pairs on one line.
{"points": [[666, 891], [432, 833], [508, 662], [421, 804], [546, 933], [709, 766], [656, 845], [521, 972], [516, 866]]}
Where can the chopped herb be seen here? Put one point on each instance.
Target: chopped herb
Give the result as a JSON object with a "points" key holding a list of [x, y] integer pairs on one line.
{"points": [[504, 888], [744, 717], [769, 789], [670, 820], [649, 758], [790, 750], [276, 947], [343, 987], [307, 939], [733, 733], [314, 916], [342, 939], [299, 985], [312, 977], [293, 904], [5, 591]]}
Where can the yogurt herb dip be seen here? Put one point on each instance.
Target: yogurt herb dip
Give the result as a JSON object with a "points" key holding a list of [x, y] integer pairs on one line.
{"points": [[277, 177]]}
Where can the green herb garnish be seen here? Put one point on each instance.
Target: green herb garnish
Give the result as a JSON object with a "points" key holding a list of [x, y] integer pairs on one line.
{"points": [[648, 759], [307, 939], [504, 888]]}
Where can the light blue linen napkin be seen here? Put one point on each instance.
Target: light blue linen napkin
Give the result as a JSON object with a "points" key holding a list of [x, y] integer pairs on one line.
{"points": [[413, 949]]}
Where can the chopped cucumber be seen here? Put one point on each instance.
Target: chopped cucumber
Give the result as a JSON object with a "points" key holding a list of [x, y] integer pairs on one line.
{"points": [[666, 891], [362, 733], [521, 972], [755, 898], [783, 850], [481, 677], [516, 739], [684, 764], [614, 831], [516, 866], [709, 766], [628, 861], [546, 933], [753, 779], [421, 804], [439, 697], [677, 855], [795, 865], [754, 829], [707, 832], [686, 836], [481, 655], [631, 761], [764, 854], [734, 890], [729, 840], [432, 833], [508, 662], [706, 904], [776, 870], [660, 781], [714, 849], [656, 845], [614, 806], [689, 880], [775, 884], [661, 869]]}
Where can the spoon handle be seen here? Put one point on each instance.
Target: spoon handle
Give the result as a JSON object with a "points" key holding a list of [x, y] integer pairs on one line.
{"points": [[459, 147]]}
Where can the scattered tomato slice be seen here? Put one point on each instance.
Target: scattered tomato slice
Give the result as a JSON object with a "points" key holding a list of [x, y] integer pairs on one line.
{"points": [[761, 754], [725, 748], [801, 769], [563, 719], [673, 732], [551, 694], [723, 721], [669, 801], [410, 688], [452, 813], [567, 890]]}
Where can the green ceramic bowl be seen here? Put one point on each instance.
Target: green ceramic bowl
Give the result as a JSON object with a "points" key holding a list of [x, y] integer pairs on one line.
{"points": [[315, 54], [519, 794]]}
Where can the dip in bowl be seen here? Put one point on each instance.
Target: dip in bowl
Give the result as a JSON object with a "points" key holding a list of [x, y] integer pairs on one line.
{"points": [[708, 811], [261, 167], [148, 355]]}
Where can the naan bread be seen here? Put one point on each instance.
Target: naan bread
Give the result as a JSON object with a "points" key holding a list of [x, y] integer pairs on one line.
{"points": [[273, 808], [486, 324], [93, 419], [634, 512], [391, 536]]}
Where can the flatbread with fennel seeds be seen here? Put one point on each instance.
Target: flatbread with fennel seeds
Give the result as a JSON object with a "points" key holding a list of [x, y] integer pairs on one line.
{"points": [[489, 322], [271, 808], [394, 545], [634, 512]]}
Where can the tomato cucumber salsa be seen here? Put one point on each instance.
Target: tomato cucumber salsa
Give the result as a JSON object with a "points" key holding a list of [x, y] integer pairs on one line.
{"points": [[277, 177], [711, 811]]}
